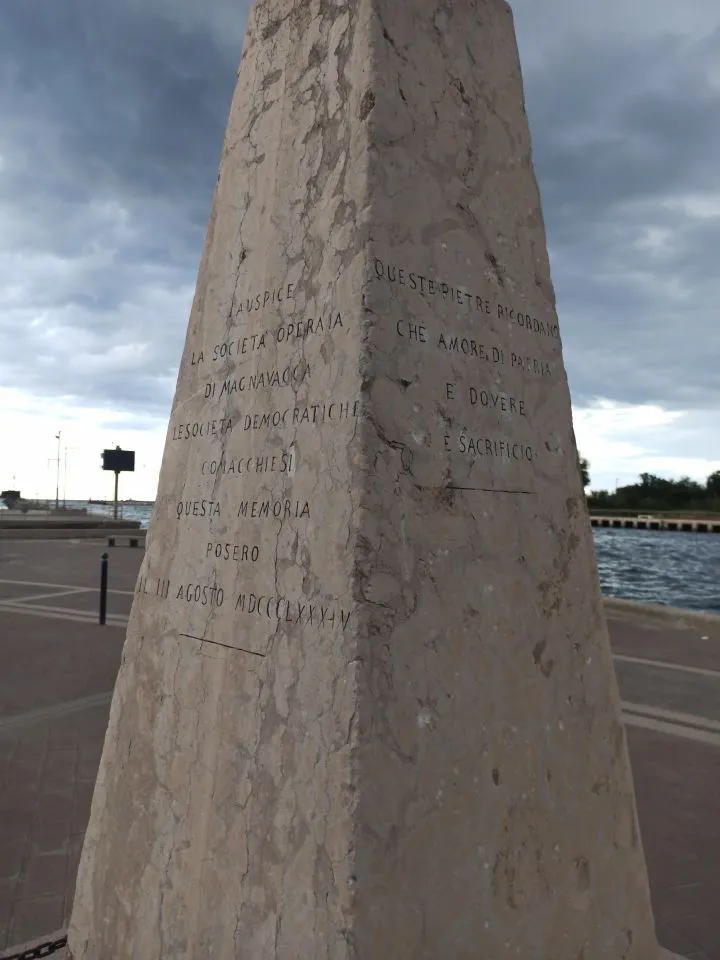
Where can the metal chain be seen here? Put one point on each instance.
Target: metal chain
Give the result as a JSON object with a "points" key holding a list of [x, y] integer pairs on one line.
{"points": [[42, 950]]}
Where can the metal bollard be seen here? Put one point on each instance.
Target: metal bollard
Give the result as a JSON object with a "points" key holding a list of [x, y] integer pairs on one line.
{"points": [[103, 588]]}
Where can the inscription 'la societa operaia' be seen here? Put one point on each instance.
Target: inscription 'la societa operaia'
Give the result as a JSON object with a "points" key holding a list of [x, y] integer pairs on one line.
{"points": [[294, 331]]}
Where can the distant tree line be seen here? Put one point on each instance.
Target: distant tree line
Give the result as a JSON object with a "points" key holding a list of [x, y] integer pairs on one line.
{"points": [[653, 493]]}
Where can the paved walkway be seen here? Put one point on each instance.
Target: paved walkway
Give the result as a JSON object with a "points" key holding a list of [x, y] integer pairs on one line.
{"points": [[57, 670]]}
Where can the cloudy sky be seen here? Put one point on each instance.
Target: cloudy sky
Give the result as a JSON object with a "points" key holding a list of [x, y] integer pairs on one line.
{"points": [[111, 123]]}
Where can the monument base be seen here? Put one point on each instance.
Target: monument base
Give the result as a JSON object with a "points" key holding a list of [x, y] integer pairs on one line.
{"points": [[64, 953]]}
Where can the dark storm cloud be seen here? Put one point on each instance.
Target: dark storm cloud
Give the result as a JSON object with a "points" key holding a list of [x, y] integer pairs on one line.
{"points": [[111, 124], [627, 140], [112, 119]]}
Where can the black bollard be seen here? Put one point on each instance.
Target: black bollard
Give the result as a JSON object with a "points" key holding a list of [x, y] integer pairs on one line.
{"points": [[103, 588]]}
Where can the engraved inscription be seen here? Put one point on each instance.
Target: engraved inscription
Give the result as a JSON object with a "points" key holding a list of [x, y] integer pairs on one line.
{"points": [[197, 508], [495, 400], [316, 413], [476, 447], [233, 467], [282, 609], [257, 302], [292, 331], [429, 287], [237, 552], [277, 509], [209, 428], [204, 595], [470, 446], [417, 333], [290, 376]]}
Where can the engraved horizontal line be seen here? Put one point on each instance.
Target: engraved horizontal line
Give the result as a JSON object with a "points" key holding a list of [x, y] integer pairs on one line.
{"points": [[524, 493], [227, 646]]}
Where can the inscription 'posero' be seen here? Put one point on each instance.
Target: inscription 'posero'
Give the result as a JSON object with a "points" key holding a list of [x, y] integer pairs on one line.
{"points": [[209, 428], [238, 552]]}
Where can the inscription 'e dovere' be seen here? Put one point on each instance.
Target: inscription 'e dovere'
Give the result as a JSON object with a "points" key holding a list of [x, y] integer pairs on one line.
{"points": [[490, 399]]}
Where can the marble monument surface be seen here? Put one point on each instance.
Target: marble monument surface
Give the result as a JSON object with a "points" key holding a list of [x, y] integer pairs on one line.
{"points": [[366, 708]]}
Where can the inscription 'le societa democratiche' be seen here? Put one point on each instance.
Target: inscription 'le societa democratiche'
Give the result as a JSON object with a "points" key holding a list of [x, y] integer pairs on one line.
{"points": [[316, 413]]}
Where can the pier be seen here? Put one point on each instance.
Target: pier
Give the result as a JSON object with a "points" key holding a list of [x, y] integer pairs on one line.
{"points": [[658, 523]]}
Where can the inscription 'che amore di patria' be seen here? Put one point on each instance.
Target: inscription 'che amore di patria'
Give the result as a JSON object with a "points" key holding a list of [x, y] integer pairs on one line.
{"points": [[482, 419]]}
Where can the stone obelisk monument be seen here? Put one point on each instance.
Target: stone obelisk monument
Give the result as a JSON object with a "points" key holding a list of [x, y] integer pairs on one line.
{"points": [[366, 709]]}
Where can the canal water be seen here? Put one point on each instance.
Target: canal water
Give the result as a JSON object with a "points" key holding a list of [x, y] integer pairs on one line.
{"points": [[677, 569]]}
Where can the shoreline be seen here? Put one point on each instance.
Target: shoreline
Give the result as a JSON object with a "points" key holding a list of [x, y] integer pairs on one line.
{"points": [[674, 616]]}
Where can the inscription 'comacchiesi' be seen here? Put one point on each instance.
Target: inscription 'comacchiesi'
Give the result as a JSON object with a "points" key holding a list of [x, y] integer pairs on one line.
{"points": [[232, 467]]}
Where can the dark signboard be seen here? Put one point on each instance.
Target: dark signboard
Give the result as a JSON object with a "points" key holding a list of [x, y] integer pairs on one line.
{"points": [[121, 461]]}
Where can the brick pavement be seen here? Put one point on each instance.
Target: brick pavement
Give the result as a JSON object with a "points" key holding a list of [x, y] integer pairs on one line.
{"points": [[677, 786], [53, 718], [47, 774]]}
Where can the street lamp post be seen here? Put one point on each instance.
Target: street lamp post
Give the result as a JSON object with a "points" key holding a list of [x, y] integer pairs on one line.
{"points": [[57, 475], [65, 475]]}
